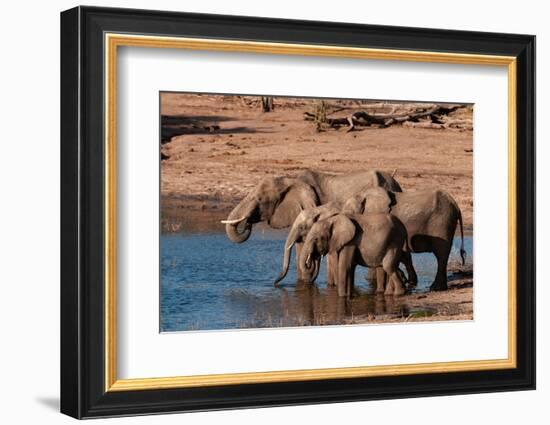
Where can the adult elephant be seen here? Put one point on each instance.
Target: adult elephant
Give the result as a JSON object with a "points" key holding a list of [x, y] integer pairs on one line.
{"points": [[278, 200], [430, 218]]}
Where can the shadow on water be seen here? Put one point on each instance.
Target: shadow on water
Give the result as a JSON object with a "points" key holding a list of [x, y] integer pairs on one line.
{"points": [[208, 282]]}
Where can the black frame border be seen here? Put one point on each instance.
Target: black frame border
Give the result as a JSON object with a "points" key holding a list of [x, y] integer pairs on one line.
{"points": [[82, 212]]}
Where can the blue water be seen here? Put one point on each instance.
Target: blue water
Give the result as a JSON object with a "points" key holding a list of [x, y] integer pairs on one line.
{"points": [[208, 282]]}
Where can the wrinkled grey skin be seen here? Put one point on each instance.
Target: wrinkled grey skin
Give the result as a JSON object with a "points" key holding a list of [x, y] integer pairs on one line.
{"points": [[298, 232], [301, 227], [278, 200], [430, 218], [370, 240]]}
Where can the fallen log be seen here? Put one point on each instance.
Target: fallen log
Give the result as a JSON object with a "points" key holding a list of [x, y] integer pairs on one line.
{"points": [[428, 116]]}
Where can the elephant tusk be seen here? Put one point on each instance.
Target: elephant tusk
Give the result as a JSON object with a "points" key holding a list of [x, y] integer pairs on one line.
{"points": [[236, 221], [308, 260]]}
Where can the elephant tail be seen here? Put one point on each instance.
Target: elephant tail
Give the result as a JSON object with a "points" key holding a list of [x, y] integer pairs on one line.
{"points": [[462, 250]]}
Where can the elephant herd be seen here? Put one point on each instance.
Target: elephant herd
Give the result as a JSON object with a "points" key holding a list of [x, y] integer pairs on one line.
{"points": [[362, 218]]}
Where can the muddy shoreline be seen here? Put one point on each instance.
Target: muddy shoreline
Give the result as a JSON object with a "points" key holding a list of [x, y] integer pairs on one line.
{"points": [[454, 304]]}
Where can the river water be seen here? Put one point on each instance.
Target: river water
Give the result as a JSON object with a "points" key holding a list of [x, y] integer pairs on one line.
{"points": [[208, 282]]}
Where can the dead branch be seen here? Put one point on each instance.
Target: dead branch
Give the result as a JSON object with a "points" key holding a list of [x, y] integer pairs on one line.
{"points": [[412, 115]]}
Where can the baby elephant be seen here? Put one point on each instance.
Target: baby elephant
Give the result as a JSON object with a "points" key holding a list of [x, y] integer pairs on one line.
{"points": [[371, 240]]}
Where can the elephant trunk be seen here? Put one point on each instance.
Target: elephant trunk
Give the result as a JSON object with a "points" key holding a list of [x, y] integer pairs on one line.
{"points": [[235, 234], [290, 241], [238, 218], [308, 264], [317, 265]]}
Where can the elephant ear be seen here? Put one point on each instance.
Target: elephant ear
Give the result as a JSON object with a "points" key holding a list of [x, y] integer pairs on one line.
{"points": [[386, 181], [343, 231], [298, 196], [377, 200]]}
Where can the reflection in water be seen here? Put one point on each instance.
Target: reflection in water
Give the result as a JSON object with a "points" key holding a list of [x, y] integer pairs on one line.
{"points": [[208, 282], [309, 305]]}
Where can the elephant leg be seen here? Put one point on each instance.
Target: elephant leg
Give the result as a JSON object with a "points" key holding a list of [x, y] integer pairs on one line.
{"points": [[398, 287], [389, 285], [390, 264], [345, 271], [351, 281], [341, 283], [332, 268], [343, 280], [299, 273], [406, 258], [371, 276], [380, 280], [442, 251]]}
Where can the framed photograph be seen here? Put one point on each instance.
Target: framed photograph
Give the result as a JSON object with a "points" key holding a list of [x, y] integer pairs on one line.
{"points": [[261, 212]]}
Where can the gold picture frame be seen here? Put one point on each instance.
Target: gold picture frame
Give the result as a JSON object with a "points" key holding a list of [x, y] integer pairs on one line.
{"points": [[114, 41], [91, 40]]}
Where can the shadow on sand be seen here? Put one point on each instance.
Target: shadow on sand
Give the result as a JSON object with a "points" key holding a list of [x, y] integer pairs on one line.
{"points": [[177, 125]]}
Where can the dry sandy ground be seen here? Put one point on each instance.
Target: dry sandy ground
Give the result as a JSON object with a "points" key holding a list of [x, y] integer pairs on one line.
{"points": [[217, 148]]}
